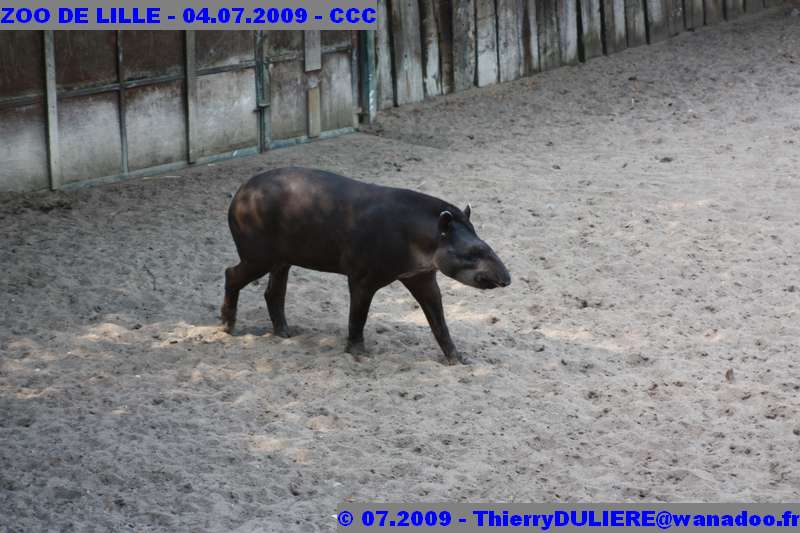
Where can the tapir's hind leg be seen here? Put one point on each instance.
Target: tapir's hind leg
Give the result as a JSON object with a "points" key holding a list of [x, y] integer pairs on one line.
{"points": [[236, 278], [275, 295]]}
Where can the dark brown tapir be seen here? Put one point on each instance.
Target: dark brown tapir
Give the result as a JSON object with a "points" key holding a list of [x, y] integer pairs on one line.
{"points": [[373, 235]]}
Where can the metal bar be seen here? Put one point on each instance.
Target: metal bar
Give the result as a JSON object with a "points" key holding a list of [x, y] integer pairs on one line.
{"points": [[19, 101], [191, 95], [53, 149], [283, 143], [123, 129]]}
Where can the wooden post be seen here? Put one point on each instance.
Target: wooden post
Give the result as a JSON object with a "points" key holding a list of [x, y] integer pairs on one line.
{"points": [[191, 96], [312, 60], [407, 47], [510, 55], [713, 12], [369, 101], [486, 21], [549, 42], [531, 34], [693, 13], [429, 26], [444, 19], [656, 20], [568, 30], [614, 29], [674, 16], [591, 29], [733, 9], [463, 44], [383, 52], [51, 97], [634, 22], [753, 6]]}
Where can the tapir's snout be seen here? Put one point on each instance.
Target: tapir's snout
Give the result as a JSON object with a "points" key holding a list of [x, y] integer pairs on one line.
{"points": [[497, 276]]}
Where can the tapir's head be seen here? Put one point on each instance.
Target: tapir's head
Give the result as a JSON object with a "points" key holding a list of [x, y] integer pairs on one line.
{"points": [[463, 256]]}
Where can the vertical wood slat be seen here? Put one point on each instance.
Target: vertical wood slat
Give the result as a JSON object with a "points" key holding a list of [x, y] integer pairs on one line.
{"points": [[635, 29], [549, 42], [383, 56], [733, 9], [693, 13], [568, 30], [407, 48], [51, 97], [314, 112], [712, 12], [369, 94], [510, 45], [531, 35], [191, 95], [443, 12], [656, 20], [591, 29], [464, 30], [753, 6], [614, 36], [429, 25], [486, 42], [674, 16], [312, 50]]}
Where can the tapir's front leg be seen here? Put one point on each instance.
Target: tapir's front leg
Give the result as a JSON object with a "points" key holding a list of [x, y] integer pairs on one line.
{"points": [[426, 291]]}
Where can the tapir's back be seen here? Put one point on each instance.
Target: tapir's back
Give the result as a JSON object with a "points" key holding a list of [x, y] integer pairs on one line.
{"points": [[300, 216]]}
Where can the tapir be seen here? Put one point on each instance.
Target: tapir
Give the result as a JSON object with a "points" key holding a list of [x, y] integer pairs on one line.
{"points": [[372, 234]]}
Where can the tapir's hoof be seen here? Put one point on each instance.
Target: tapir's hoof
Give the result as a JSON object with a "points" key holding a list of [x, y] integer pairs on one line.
{"points": [[228, 320], [458, 359], [357, 350], [282, 332]]}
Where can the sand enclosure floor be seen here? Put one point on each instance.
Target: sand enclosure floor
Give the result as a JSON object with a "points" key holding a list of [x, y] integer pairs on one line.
{"points": [[647, 205]]}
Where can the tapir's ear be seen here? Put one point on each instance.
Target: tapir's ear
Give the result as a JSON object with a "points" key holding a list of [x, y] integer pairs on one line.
{"points": [[445, 220], [468, 211]]}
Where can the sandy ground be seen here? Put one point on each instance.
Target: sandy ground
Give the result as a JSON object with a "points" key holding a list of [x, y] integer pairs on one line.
{"points": [[647, 207]]}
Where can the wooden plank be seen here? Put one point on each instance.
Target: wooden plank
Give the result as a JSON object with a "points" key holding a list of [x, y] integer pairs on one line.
{"points": [[674, 16], [615, 38], [773, 3], [693, 13], [657, 20], [509, 39], [407, 48], [635, 28], [486, 46], [568, 30], [383, 71], [432, 78], [366, 63], [549, 43], [312, 50], [591, 29], [337, 97], [530, 32], [444, 13], [51, 97], [713, 12], [753, 6], [733, 9], [463, 44], [314, 120]]}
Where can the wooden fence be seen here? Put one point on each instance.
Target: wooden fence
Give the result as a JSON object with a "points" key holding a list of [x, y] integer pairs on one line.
{"points": [[425, 48]]}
